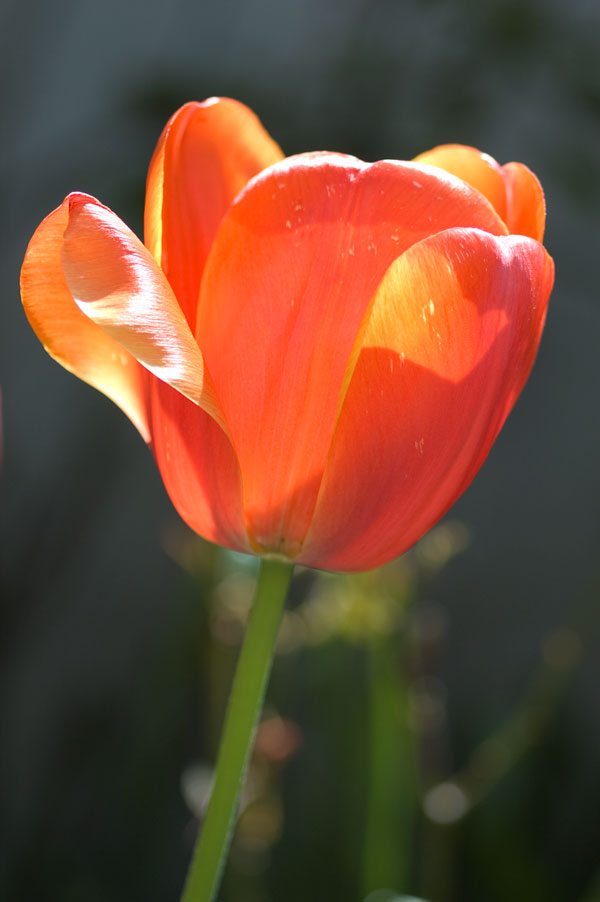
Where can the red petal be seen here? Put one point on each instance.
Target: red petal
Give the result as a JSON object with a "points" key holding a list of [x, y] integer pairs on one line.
{"points": [[526, 208], [452, 337], [513, 190], [287, 283], [71, 338], [198, 467], [472, 166], [117, 284], [206, 154]]}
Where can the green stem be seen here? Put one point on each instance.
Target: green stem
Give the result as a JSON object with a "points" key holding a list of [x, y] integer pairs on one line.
{"points": [[391, 771], [245, 704]]}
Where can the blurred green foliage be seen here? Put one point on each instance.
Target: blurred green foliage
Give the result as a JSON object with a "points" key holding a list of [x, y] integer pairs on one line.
{"points": [[352, 786]]}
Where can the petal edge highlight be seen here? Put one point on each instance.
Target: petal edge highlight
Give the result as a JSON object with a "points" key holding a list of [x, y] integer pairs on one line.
{"points": [[116, 282]]}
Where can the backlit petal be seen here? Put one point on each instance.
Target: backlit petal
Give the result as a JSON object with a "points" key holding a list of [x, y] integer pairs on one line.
{"points": [[71, 338], [115, 281], [474, 167], [287, 283], [206, 154], [452, 337], [513, 190], [199, 468], [526, 208]]}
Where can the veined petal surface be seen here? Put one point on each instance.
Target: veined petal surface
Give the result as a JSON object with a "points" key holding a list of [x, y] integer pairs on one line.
{"points": [[116, 282], [287, 283], [76, 342], [452, 336], [206, 154]]}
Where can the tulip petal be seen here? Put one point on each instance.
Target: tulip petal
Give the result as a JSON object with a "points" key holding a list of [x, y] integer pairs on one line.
{"points": [[472, 166], [206, 154], [286, 286], [115, 281], [71, 338], [452, 336], [513, 190], [526, 208], [198, 467]]}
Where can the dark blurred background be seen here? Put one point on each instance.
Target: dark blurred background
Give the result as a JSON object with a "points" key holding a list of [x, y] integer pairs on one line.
{"points": [[433, 729]]}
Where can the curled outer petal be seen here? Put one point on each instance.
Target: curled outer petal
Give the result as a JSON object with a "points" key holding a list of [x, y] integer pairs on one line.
{"points": [[451, 338], [117, 284], [76, 342], [100, 302], [513, 190]]}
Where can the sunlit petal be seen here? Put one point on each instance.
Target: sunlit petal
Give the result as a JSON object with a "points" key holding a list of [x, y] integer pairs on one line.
{"points": [[474, 167], [526, 208], [117, 284], [452, 337], [199, 468], [71, 338], [206, 154]]}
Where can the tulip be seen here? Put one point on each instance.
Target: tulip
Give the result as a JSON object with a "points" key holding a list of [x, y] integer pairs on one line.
{"points": [[320, 352]]}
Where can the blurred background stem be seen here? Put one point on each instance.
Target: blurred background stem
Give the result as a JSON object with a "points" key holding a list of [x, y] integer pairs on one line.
{"points": [[245, 704], [392, 795]]}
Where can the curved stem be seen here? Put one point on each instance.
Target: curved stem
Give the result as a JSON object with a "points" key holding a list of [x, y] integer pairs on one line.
{"points": [[245, 704]]}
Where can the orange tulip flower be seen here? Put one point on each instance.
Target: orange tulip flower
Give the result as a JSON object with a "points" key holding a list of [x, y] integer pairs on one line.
{"points": [[319, 351]]}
